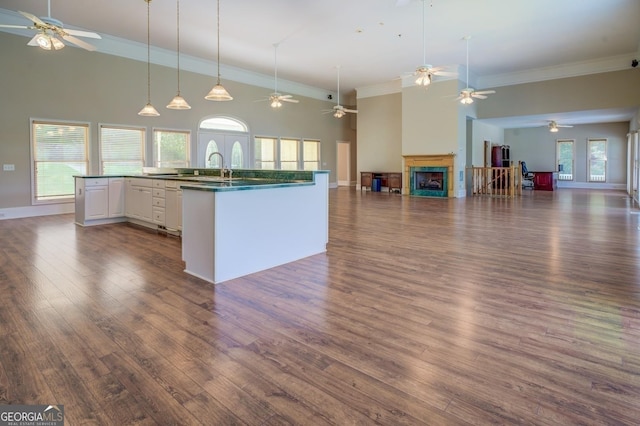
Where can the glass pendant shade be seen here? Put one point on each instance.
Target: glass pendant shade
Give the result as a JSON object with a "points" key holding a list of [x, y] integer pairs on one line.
{"points": [[218, 93], [423, 77], [339, 113], [149, 111], [178, 102], [48, 42], [553, 129]]}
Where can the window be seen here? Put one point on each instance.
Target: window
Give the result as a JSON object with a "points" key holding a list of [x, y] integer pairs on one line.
{"points": [[597, 161], [288, 154], [59, 152], [565, 158], [311, 155], [265, 153], [171, 148], [121, 149]]}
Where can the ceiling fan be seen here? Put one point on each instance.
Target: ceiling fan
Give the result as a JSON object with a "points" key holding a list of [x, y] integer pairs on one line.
{"points": [[51, 31], [424, 73], [553, 126], [338, 110], [276, 99], [468, 93]]}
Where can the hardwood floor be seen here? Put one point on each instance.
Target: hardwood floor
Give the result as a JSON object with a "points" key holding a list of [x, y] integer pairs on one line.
{"points": [[422, 311]]}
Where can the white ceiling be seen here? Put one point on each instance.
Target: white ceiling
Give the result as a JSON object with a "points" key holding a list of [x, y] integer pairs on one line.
{"points": [[374, 41]]}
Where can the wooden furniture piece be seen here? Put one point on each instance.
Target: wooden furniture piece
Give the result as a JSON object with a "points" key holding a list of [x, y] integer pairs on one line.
{"points": [[545, 181], [390, 180], [500, 156]]}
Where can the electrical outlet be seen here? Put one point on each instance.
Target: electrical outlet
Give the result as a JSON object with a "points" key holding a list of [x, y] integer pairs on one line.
{"points": [[8, 167]]}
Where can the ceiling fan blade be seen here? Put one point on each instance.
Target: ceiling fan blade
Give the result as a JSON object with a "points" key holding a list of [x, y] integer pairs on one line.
{"points": [[15, 26], [80, 33], [293, 101], [80, 43], [444, 73], [562, 125], [284, 96], [485, 92], [33, 18], [353, 111], [479, 96]]}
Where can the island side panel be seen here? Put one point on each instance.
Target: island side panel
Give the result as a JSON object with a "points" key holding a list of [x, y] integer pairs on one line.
{"points": [[261, 229], [198, 233]]}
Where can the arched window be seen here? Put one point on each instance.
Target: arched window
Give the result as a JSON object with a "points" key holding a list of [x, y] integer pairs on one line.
{"points": [[224, 124]]}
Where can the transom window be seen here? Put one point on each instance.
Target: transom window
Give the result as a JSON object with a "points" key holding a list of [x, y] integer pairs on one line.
{"points": [[59, 152], [121, 149], [224, 123]]}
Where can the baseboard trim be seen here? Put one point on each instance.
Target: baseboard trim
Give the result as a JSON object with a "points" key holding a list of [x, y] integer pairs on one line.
{"points": [[38, 210]]}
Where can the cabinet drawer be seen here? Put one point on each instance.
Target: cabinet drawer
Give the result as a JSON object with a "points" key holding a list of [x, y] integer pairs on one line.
{"points": [[157, 183], [96, 182], [141, 182], [158, 202], [171, 183], [158, 215], [158, 193]]}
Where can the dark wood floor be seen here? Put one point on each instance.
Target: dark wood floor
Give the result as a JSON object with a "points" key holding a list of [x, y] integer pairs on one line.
{"points": [[423, 311]]}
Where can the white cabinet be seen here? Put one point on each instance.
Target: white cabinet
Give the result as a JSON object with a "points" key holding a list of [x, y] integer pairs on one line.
{"points": [[116, 197], [158, 199], [96, 203], [99, 200], [173, 206], [139, 199]]}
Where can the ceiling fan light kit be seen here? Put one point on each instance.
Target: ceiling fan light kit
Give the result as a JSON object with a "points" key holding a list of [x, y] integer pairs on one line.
{"points": [[148, 110], [47, 42], [468, 93], [338, 110], [276, 98], [218, 92], [178, 102]]}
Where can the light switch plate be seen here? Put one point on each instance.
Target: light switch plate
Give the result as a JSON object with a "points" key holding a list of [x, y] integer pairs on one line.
{"points": [[8, 167]]}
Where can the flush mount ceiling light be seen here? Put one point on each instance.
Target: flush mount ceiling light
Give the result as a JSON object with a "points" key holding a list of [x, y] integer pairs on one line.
{"points": [[148, 110], [178, 101], [468, 93], [218, 93]]}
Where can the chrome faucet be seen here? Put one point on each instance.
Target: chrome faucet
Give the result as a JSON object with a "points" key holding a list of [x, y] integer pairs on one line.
{"points": [[222, 170]]}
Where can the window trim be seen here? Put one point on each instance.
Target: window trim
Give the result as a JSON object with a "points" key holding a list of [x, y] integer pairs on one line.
{"points": [[88, 152], [573, 158], [125, 127], [300, 161], [606, 149]]}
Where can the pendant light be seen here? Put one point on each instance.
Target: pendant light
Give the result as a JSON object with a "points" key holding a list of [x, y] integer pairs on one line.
{"points": [[148, 110], [178, 101], [468, 93], [423, 74], [218, 93]]}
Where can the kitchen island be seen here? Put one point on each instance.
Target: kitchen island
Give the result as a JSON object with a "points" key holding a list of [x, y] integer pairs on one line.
{"points": [[238, 227]]}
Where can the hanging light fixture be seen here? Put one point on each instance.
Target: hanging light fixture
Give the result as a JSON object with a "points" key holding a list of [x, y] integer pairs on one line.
{"points": [[148, 110], [47, 41], [218, 93], [468, 93], [423, 73], [178, 101]]}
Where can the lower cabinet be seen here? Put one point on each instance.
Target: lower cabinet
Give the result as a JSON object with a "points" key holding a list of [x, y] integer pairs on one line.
{"points": [[390, 180], [139, 199], [173, 206], [545, 181], [99, 200]]}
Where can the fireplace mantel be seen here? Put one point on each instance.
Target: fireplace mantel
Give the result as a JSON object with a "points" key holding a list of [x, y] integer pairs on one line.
{"points": [[440, 160]]}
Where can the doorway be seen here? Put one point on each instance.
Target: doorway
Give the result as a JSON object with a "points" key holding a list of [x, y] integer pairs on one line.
{"points": [[343, 163], [233, 147]]}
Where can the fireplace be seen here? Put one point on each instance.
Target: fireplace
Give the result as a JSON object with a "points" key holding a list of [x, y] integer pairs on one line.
{"points": [[428, 181], [429, 175]]}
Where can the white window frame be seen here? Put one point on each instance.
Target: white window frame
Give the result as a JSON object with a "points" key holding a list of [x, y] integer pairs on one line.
{"points": [[319, 152], [62, 198], [186, 162], [301, 162], [276, 164], [143, 140], [295, 162], [590, 160], [561, 176]]}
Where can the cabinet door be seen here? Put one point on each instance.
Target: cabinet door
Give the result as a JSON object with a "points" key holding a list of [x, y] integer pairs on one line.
{"points": [[146, 203], [179, 203], [96, 202], [116, 197], [365, 179], [395, 181], [129, 198], [171, 209]]}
